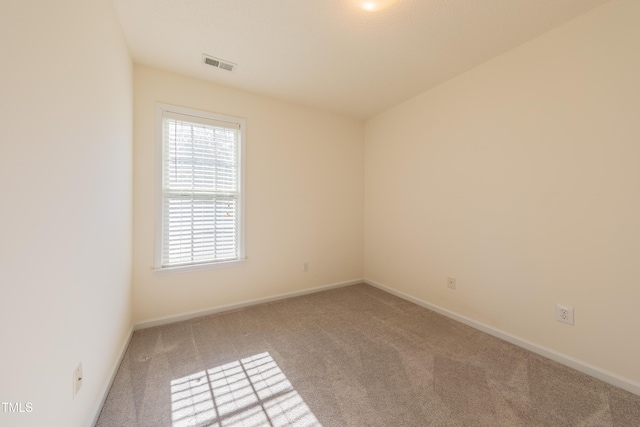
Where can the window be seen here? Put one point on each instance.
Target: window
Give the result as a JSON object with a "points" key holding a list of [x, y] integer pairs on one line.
{"points": [[200, 188]]}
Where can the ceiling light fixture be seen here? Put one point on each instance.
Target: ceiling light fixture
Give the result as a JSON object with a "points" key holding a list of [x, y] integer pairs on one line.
{"points": [[374, 5]]}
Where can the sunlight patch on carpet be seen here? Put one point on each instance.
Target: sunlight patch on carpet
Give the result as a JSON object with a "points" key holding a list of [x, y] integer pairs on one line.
{"points": [[249, 392]]}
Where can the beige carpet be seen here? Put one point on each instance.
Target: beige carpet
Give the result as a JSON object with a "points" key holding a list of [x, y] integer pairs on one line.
{"points": [[353, 356]]}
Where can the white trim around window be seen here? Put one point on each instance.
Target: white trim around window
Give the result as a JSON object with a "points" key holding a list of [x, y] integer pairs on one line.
{"points": [[200, 192]]}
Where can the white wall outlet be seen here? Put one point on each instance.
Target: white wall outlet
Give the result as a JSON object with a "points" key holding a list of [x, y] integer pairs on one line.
{"points": [[451, 282], [564, 314], [77, 379], [305, 266]]}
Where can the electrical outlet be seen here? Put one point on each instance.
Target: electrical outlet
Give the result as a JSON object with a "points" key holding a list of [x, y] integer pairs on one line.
{"points": [[451, 282], [305, 266], [77, 379], [564, 314]]}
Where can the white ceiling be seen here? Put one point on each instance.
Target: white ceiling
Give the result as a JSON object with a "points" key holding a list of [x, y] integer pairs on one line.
{"points": [[330, 54]]}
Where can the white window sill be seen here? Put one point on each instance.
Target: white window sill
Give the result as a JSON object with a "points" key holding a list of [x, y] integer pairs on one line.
{"points": [[198, 267]]}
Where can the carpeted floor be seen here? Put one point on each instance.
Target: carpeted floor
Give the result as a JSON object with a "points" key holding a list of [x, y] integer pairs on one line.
{"points": [[354, 356]]}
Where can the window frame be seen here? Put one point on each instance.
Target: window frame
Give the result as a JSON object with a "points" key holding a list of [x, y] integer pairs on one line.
{"points": [[161, 109]]}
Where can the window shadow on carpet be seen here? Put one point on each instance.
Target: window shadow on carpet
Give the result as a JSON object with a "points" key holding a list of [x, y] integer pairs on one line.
{"points": [[248, 392]]}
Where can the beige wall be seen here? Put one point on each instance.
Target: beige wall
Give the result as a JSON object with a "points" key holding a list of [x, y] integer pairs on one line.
{"points": [[65, 222], [520, 178], [304, 199]]}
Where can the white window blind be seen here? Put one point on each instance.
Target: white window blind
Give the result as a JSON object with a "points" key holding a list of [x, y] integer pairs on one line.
{"points": [[201, 190]]}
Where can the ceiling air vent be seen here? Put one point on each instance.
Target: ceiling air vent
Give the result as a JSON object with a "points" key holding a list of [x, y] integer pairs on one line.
{"points": [[218, 63]]}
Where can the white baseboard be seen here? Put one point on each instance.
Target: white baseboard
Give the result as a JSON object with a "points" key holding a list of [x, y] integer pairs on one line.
{"points": [[586, 368], [107, 385], [199, 313]]}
